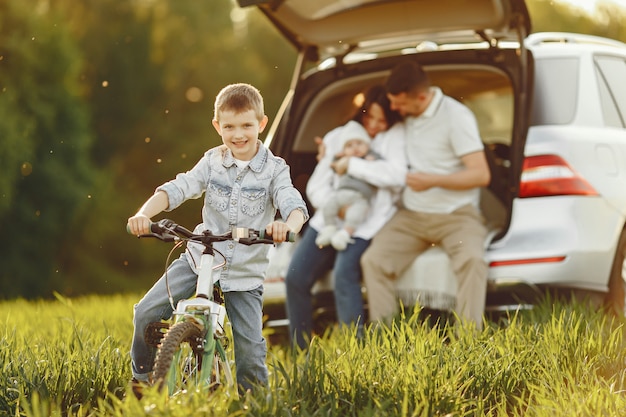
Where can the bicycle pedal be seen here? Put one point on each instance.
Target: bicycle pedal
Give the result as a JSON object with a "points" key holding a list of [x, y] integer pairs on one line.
{"points": [[155, 332]]}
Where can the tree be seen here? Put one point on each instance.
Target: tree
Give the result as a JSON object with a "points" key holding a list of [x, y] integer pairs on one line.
{"points": [[46, 169], [550, 16]]}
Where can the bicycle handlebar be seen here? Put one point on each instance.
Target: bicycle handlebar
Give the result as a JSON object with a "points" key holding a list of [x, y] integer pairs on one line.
{"points": [[168, 231]]}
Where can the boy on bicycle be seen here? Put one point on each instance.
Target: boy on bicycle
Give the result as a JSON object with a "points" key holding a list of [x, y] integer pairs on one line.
{"points": [[244, 185]]}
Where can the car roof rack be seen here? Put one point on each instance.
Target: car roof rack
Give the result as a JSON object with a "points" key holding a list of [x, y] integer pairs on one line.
{"points": [[536, 39]]}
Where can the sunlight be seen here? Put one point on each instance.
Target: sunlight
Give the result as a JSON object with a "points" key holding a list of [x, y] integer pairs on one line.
{"points": [[589, 6]]}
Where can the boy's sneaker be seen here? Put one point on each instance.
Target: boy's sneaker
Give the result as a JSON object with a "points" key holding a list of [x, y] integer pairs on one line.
{"points": [[137, 387], [155, 332], [341, 239], [325, 235]]}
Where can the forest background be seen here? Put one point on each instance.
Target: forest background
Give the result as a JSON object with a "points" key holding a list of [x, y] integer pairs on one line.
{"points": [[103, 100]]}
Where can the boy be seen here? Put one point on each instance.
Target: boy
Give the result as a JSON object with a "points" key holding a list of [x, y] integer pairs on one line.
{"points": [[244, 185], [352, 193]]}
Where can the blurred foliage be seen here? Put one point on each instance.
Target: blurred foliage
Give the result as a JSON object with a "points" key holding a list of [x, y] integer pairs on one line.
{"points": [[558, 16], [46, 143], [103, 100]]}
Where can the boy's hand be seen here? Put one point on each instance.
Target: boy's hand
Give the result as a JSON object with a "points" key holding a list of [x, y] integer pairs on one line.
{"points": [[139, 224], [278, 231]]}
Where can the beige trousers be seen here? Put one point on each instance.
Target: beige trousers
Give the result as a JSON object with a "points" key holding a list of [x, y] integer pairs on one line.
{"points": [[461, 234]]}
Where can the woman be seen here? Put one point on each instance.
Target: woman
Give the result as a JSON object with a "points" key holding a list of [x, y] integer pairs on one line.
{"points": [[309, 262]]}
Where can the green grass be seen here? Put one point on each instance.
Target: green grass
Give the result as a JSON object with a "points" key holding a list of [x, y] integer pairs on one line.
{"points": [[70, 357]]}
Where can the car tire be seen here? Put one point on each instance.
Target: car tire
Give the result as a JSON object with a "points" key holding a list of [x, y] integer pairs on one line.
{"points": [[615, 300]]}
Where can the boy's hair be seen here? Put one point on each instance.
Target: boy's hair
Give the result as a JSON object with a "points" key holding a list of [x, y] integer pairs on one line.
{"points": [[408, 77], [239, 98]]}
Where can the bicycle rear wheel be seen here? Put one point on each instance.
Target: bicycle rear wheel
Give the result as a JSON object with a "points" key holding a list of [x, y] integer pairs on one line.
{"points": [[180, 363]]}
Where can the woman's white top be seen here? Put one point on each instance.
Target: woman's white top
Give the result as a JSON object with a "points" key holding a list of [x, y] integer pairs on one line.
{"points": [[388, 174]]}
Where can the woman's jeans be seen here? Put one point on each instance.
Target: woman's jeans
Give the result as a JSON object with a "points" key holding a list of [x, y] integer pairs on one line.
{"points": [[244, 310], [310, 263]]}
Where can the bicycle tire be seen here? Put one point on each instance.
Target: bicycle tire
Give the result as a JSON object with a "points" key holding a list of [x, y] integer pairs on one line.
{"points": [[178, 363]]}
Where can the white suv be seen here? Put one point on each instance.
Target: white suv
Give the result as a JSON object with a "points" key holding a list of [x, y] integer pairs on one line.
{"points": [[551, 109]]}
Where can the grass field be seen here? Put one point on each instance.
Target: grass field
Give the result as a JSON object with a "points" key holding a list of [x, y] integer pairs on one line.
{"points": [[70, 357]]}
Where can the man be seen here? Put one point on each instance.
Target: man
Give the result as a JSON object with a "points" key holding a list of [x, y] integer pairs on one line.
{"points": [[447, 167]]}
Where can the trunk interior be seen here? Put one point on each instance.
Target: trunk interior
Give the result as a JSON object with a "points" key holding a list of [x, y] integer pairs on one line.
{"points": [[328, 99]]}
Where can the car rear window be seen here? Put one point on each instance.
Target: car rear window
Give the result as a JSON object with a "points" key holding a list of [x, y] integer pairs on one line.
{"points": [[556, 91], [485, 90], [612, 73]]}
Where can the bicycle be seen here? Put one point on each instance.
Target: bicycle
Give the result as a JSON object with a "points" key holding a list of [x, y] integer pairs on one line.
{"points": [[192, 344]]}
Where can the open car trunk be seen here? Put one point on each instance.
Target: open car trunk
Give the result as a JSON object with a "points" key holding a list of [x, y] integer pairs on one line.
{"points": [[331, 28], [472, 49], [486, 81]]}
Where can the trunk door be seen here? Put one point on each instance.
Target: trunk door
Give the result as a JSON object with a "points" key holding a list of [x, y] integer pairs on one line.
{"points": [[327, 28]]}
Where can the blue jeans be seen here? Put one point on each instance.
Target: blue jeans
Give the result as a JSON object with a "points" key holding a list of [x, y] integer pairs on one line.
{"points": [[310, 263], [244, 310]]}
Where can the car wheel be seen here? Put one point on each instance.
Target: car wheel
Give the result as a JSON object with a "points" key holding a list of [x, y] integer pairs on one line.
{"points": [[616, 297]]}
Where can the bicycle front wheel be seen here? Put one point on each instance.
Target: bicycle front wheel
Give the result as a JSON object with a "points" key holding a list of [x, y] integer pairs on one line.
{"points": [[179, 362]]}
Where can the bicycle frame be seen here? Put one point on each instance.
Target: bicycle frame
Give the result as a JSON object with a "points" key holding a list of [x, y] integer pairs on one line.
{"points": [[190, 353], [202, 302], [210, 316]]}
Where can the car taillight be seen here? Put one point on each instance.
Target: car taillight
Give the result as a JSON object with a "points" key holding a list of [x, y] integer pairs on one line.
{"points": [[511, 262], [549, 175]]}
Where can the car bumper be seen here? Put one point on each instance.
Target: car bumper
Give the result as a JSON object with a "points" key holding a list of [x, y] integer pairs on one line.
{"points": [[567, 241]]}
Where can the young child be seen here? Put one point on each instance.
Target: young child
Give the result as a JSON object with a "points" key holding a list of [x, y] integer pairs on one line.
{"points": [[352, 193], [244, 185]]}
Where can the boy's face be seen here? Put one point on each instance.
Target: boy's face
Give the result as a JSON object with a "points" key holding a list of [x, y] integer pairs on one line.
{"points": [[356, 147], [239, 132]]}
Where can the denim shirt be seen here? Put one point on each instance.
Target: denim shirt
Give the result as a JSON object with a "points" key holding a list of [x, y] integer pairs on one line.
{"points": [[248, 197]]}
